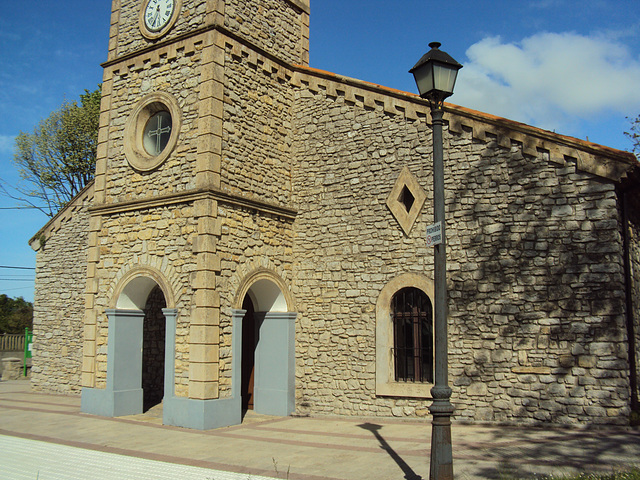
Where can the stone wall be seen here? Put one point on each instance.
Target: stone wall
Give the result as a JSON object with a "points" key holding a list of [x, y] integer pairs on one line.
{"points": [[177, 75], [125, 36], [256, 142], [159, 238], [537, 310], [250, 241], [633, 212], [278, 26], [61, 263], [347, 246], [535, 270]]}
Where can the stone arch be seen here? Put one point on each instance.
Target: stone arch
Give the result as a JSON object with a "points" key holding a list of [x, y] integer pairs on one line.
{"points": [[385, 382], [133, 287], [141, 316], [264, 329], [267, 290]]}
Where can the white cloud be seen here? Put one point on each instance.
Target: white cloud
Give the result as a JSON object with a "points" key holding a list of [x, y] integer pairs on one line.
{"points": [[7, 143], [550, 79]]}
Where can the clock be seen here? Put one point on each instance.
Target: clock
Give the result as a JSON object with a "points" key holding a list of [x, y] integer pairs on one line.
{"points": [[158, 13], [158, 16]]}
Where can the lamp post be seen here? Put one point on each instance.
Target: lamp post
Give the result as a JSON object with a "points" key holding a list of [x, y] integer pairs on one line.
{"points": [[435, 74]]}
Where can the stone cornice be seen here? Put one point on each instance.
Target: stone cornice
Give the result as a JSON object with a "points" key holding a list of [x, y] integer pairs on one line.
{"points": [[158, 48], [301, 4], [169, 46], [190, 197], [599, 160], [602, 161]]}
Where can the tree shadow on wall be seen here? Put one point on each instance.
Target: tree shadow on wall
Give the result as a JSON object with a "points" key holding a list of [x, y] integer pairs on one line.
{"points": [[535, 260]]}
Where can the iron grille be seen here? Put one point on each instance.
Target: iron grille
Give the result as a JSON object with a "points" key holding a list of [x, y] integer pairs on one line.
{"points": [[413, 336]]}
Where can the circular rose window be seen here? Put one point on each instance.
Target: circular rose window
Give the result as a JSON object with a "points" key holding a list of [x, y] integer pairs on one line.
{"points": [[157, 133], [151, 132]]}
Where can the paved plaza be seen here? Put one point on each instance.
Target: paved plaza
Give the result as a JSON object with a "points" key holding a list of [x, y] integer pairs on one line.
{"points": [[46, 437]]}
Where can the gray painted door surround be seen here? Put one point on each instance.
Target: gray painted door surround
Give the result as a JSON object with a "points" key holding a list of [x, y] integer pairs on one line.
{"points": [[274, 387], [123, 395]]}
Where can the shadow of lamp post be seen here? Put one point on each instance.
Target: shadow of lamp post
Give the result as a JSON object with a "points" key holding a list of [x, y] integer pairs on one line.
{"points": [[435, 75]]}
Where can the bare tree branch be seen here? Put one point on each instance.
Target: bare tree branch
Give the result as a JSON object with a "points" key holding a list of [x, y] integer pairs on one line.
{"points": [[58, 159]]}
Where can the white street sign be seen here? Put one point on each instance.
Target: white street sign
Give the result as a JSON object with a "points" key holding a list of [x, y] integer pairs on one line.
{"points": [[434, 234]]}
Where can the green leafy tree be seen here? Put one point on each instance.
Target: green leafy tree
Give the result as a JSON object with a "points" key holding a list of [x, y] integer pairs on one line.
{"points": [[16, 314], [58, 159]]}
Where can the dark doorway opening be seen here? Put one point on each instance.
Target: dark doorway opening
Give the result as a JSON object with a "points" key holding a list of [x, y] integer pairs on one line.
{"points": [[153, 349], [249, 342]]}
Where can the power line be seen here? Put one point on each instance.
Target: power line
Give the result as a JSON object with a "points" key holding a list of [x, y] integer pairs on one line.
{"points": [[14, 289], [19, 208], [18, 268]]}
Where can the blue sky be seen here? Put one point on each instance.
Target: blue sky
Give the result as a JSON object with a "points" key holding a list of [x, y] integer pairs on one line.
{"points": [[563, 65]]}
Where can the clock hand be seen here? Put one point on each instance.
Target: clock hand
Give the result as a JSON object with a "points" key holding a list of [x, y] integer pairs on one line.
{"points": [[155, 18]]}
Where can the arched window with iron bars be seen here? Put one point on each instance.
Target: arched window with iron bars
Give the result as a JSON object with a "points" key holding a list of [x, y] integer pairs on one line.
{"points": [[412, 316]]}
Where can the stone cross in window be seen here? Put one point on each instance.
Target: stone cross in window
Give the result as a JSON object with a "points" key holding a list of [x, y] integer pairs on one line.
{"points": [[157, 133]]}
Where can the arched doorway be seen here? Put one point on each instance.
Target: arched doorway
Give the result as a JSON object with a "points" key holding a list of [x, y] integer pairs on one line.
{"points": [[249, 342], [140, 347], [153, 349], [267, 374]]}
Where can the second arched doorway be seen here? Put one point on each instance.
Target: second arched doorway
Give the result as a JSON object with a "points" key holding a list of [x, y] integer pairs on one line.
{"points": [[267, 329]]}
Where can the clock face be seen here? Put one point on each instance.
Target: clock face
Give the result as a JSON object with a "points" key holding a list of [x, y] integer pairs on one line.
{"points": [[158, 13]]}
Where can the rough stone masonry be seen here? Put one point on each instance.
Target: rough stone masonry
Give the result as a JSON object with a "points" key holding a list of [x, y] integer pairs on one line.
{"points": [[309, 193]]}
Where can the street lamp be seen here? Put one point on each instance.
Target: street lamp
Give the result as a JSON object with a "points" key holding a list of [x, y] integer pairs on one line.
{"points": [[435, 74]]}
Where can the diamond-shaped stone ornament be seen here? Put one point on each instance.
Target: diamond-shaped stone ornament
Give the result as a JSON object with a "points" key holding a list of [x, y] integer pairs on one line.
{"points": [[406, 200]]}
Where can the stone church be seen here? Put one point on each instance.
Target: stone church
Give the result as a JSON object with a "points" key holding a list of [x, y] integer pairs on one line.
{"points": [[254, 238]]}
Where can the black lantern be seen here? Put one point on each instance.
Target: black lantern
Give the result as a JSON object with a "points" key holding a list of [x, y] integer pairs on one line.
{"points": [[435, 74]]}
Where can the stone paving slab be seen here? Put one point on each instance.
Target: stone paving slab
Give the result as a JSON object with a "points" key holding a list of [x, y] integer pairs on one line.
{"points": [[326, 448], [22, 459]]}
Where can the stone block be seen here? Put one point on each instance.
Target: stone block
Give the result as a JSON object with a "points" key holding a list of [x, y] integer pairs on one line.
{"points": [[205, 243], [499, 356], [207, 298], [531, 370], [11, 368], [203, 390], [203, 372], [477, 389], [205, 208], [208, 261], [566, 361], [587, 361], [205, 316], [204, 334], [89, 364]]}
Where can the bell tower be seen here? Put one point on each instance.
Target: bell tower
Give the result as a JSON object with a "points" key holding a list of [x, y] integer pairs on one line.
{"points": [[194, 115]]}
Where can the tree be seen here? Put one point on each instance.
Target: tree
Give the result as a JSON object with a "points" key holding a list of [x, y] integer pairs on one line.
{"points": [[15, 314], [58, 159], [634, 135]]}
